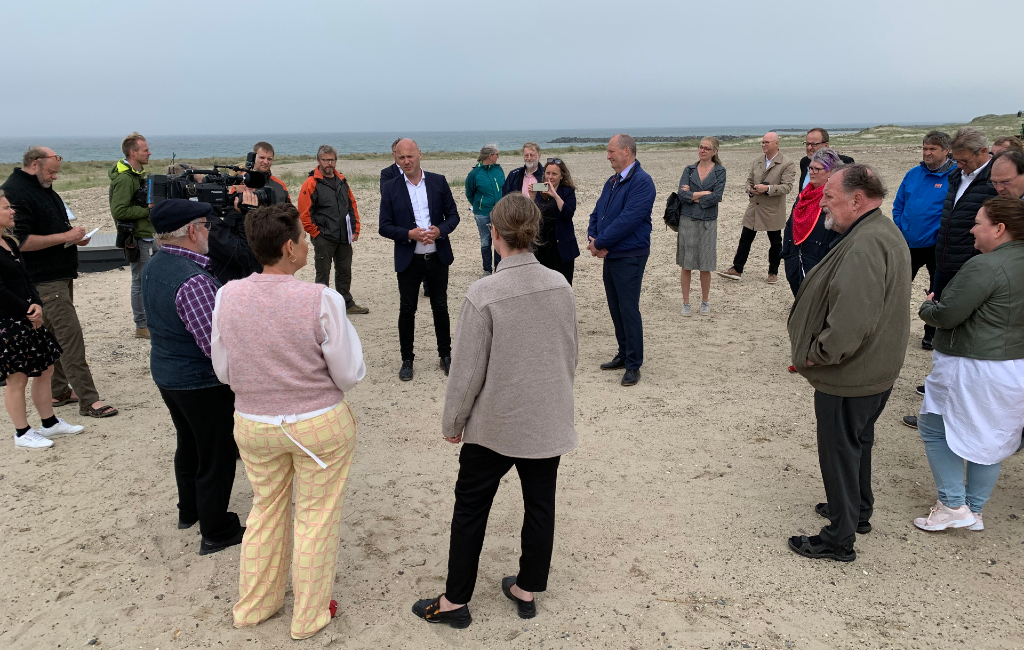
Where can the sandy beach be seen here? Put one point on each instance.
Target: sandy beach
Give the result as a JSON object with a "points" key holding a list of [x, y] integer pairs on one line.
{"points": [[673, 512]]}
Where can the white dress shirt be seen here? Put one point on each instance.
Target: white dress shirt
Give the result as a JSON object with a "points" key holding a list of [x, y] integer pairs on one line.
{"points": [[420, 209], [967, 179]]}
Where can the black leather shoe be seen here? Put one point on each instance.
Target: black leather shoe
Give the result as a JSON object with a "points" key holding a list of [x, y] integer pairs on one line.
{"points": [[863, 527], [429, 609], [910, 421], [920, 390], [614, 364], [405, 374], [631, 378], [185, 525], [206, 547], [527, 608], [926, 344], [446, 364]]}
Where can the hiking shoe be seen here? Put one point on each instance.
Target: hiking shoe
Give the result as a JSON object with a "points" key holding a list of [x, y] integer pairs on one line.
{"points": [[910, 421], [142, 333], [772, 278], [731, 274], [816, 549], [941, 518], [978, 524], [686, 310], [920, 390], [32, 440], [356, 309], [62, 428], [705, 309], [863, 527]]}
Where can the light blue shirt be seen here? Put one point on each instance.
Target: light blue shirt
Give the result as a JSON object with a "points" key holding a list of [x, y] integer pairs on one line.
{"points": [[625, 172]]}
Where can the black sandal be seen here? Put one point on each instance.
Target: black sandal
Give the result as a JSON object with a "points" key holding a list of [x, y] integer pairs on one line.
{"points": [[815, 548], [863, 527], [429, 609], [104, 411], [67, 397]]}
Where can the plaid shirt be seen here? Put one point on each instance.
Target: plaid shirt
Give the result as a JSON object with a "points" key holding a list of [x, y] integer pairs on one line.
{"points": [[195, 298]]}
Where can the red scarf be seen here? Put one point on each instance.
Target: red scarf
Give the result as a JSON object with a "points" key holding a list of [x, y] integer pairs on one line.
{"points": [[806, 212]]}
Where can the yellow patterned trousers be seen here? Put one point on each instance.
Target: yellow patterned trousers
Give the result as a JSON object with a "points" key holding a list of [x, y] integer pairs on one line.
{"points": [[273, 463]]}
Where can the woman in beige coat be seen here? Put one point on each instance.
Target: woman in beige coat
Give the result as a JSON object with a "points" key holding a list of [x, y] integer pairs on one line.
{"points": [[509, 400]]}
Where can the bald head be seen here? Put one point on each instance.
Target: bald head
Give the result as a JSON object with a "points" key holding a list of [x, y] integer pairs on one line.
{"points": [[621, 152], [770, 144], [850, 193], [42, 163], [408, 155]]}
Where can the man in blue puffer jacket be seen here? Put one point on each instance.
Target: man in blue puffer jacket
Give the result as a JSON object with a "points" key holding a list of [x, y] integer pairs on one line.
{"points": [[917, 209], [620, 233]]}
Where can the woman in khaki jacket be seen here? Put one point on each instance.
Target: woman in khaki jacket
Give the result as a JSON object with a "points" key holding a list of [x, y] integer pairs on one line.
{"points": [[509, 400]]}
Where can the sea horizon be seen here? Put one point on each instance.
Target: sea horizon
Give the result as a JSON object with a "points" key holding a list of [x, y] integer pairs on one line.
{"points": [[185, 147]]}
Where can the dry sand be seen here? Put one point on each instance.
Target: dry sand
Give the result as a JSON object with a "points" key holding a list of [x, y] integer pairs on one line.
{"points": [[673, 512]]}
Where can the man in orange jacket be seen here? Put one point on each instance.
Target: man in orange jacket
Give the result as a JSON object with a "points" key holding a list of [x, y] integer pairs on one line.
{"points": [[329, 214]]}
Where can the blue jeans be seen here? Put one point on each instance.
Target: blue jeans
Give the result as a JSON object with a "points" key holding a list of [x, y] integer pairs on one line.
{"points": [[146, 250], [948, 468], [622, 279], [483, 224]]}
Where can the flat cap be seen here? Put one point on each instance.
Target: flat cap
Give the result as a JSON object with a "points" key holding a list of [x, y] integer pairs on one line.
{"points": [[168, 216]]}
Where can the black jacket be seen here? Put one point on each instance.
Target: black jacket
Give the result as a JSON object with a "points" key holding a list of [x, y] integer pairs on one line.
{"points": [[231, 257], [514, 180], [16, 289], [565, 234], [955, 243], [805, 162], [39, 210], [397, 218], [801, 258], [386, 174]]}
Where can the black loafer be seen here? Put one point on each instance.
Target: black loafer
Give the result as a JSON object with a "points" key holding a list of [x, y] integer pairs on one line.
{"points": [[206, 547], [926, 344], [526, 608], [405, 374], [446, 364], [631, 378], [429, 609], [614, 364], [816, 549], [910, 421], [863, 527]]}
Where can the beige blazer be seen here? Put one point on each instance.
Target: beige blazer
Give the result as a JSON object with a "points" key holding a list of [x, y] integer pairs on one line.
{"points": [[768, 211], [513, 363]]}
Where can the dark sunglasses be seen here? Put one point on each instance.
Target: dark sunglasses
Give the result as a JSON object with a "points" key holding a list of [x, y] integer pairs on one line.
{"points": [[557, 161]]}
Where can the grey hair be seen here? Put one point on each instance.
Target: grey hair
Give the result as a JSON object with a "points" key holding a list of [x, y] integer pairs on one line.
{"points": [[1012, 156], [623, 141], [862, 177], [324, 150], [938, 139], [969, 139], [180, 233], [487, 151], [34, 153], [828, 158]]}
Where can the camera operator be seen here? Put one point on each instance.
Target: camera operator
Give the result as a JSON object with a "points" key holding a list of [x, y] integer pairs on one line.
{"points": [[130, 209], [264, 160]]}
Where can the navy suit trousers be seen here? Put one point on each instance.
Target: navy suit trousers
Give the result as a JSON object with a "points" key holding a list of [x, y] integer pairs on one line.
{"points": [[622, 279]]}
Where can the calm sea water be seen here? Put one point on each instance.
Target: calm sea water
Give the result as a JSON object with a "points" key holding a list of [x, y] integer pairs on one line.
{"points": [[187, 147]]}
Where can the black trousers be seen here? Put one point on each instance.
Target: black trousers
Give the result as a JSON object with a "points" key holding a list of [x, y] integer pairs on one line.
{"points": [[924, 257], [846, 434], [430, 268], [549, 257], [774, 250], [480, 473], [204, 461]]}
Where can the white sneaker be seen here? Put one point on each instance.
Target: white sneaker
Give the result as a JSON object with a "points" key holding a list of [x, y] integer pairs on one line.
{"points": [[32, 440], [62, 428], [978, 524], [941, 518], [705, 308], [686, 310]]}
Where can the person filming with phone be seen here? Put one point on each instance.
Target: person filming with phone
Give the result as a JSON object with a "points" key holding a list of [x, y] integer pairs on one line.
{"points": [[557, 248]]}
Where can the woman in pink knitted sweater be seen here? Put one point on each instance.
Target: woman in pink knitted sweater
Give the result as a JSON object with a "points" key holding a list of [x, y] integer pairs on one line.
{"points": [[289, 354]]}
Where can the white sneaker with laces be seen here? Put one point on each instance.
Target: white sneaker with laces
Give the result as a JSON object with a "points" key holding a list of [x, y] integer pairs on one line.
{"points": [[705, 308], [942, 517], [978, 524], [686, 310], [32, 440], [62, 428]]}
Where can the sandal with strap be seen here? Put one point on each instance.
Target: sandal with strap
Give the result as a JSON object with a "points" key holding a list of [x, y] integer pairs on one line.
{"points": [[104, 411], [67, 397], [429, 609], [815, 548]]}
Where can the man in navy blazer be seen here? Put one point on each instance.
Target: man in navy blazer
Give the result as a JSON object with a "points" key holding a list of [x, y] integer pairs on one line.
{"points": [[620, 233], [418, 211], [392, 170]]}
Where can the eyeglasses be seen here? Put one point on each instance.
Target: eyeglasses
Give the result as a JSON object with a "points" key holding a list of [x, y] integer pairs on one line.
{"points": [[704, 149], [557, 161], [58, 158], [764, 142], [998, 184], [814, 144], [816, 170], [205, 224]]}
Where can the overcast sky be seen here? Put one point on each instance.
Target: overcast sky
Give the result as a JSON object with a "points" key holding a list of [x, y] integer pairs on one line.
{"points": [[84, 67]]}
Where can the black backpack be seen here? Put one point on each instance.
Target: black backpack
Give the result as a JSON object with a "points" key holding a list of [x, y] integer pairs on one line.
{"points": [[673, 208]]}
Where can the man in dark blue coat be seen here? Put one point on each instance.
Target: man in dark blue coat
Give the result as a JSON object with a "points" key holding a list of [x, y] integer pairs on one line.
{"points": [[418, 211], [620, 233]]}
